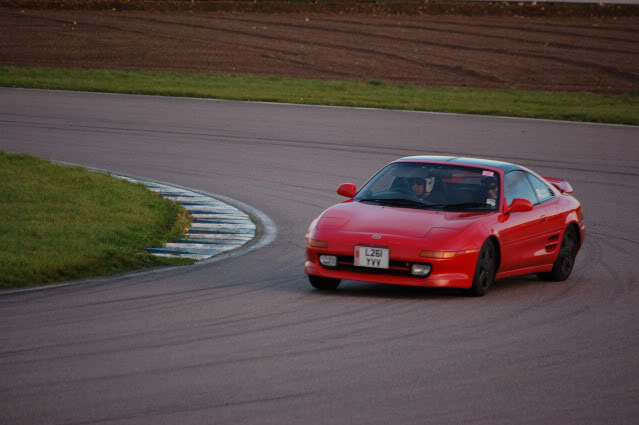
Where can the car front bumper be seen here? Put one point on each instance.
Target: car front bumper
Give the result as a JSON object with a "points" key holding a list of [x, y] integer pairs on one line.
{"points": [[456, 272]]}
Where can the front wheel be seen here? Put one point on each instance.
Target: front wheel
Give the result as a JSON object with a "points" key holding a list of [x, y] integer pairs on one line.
{"points": [[324, 283], [562, 267], [484, 270]]}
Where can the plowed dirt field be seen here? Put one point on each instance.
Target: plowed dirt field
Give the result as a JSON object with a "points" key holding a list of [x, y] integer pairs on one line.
{"points": [[581, 53]]}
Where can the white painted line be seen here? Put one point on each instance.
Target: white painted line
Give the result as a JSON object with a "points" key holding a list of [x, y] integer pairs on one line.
{"points": [[191, 256], [189, 199], [213, 208], [203, 246], [224, 221], [212, 242], [224, 226], [220, 236], [219, 216]]}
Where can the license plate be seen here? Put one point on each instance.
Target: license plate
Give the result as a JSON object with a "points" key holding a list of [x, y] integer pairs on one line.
{"points": [[376, 258]]}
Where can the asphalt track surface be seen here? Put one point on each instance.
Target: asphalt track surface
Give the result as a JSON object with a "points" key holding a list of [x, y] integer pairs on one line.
{"points": [[247, 340]]}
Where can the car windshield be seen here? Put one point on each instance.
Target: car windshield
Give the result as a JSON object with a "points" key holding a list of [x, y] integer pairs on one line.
{"points": [[433, 186]]}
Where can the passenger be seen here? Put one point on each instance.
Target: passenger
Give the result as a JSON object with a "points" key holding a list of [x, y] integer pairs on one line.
{"points": [[490, 187]]}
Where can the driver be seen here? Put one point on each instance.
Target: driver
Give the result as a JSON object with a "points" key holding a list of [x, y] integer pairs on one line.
{"points": [[417, 185], [422, 188]]}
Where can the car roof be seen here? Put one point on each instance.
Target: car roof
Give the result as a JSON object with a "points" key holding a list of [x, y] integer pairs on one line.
{"points": [[505, 166]]}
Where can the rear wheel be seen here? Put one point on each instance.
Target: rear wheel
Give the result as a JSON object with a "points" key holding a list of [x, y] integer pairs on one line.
{"points": [[484, 270], [562, 267], [324, 283]]}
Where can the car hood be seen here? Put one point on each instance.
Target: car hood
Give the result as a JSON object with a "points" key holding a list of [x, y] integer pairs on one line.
{"points": [[358, 217]]}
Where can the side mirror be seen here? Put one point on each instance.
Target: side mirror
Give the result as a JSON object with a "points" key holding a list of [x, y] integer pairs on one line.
{"points": [[347, 189], [519, 205]]}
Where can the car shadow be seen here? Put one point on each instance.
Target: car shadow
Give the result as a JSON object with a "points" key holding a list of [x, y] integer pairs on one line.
{"points": [[503, 287], [376, 290]]}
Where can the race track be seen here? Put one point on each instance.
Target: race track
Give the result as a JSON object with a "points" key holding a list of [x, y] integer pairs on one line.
{"points": [[248, 341]]}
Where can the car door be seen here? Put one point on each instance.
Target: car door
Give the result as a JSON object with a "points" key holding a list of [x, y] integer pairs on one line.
{"points": [[523, 235], [553, 223]]}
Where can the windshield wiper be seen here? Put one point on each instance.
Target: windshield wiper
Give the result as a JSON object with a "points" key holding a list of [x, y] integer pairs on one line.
{"points": [[402, 202], [391, 201], [397, 202], [370, 200], [465, 205]]}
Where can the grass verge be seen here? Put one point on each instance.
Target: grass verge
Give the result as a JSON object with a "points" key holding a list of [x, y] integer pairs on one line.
{"points": [[61, 223], [616, 109]]}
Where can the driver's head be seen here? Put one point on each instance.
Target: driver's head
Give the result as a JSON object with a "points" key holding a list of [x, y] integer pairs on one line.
{"points": [[417, 185]]}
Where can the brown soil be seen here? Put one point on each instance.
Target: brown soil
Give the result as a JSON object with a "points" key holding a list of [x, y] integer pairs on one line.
{"points": [[596, 52]]}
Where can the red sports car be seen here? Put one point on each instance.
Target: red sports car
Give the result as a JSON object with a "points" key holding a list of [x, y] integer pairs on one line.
{"points": [[448, 222]]}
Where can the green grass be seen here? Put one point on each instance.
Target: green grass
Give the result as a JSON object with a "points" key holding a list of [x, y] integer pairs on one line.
{"points": [[618, 109], [61, 223]]}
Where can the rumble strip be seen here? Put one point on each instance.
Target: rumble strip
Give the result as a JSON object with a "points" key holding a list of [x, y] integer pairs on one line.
{"points": [[217, 227]]}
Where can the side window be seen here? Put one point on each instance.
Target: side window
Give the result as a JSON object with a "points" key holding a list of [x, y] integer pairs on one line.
{"points": [[516, 185], [542, 190]]}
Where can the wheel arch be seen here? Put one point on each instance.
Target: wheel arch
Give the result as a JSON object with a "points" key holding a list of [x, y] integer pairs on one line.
{"points": [[497, 246], [575, 226]]}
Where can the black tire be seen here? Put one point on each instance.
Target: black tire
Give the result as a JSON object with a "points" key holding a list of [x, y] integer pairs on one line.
{"points": [[324, 283], [563, 265], [485, 270]]}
